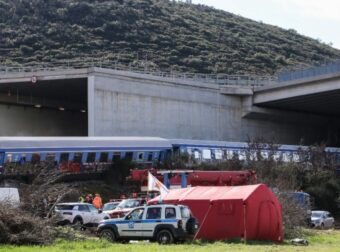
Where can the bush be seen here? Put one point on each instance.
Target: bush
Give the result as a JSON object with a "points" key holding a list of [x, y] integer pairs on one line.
{"points": [[20, 227]]}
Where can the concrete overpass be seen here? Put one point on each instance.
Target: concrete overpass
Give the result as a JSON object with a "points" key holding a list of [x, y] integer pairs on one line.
{"points": [[111, 102], [317, 95]]}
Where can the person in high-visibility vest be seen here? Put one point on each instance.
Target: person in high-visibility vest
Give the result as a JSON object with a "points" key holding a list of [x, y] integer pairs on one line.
{"points": [[97, 201], [81, 199]]}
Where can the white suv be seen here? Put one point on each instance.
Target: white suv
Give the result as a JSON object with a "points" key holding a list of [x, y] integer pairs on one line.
{"points": [[163, 223], [79, 213]]}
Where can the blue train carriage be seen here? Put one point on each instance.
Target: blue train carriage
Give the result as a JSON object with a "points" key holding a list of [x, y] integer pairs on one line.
{"points": [[208, 151], [218, 151], [75, 154]]}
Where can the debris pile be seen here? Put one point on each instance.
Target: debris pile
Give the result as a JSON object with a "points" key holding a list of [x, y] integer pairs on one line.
{"points": [[20, 227]]}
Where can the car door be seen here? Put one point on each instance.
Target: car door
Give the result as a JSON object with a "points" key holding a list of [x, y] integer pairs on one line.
{"points": [[132, 224], [94, 215], [328, 220], [85, 213], [153, 217]]}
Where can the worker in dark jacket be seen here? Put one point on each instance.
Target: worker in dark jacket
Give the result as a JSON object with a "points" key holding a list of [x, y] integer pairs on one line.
{"points": [[89, 198]]}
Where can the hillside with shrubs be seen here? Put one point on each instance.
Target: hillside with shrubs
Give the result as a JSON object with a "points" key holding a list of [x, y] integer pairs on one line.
{"points": [[164, 35]]}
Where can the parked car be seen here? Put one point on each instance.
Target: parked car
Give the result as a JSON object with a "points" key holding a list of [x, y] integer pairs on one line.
{"points": [[79, 213], [322, 219], [110, 206], [126, 206], [162, 223]]}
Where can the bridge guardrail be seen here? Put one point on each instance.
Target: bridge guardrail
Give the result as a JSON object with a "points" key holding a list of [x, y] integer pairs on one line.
{"points": [[330, 68], [144, 68]]}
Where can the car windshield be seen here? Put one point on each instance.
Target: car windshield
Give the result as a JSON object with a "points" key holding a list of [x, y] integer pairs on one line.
{"points": [[110, 206], [93, 209], [129, 203], [316, 214]]}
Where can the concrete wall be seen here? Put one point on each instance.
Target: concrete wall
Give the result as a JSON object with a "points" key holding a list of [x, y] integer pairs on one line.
{"points": [[26, 121], [125, 106], [129, 106]]}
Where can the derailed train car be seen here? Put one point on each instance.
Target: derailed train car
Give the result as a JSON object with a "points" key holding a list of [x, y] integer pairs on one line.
{"points": [[77, 154]]}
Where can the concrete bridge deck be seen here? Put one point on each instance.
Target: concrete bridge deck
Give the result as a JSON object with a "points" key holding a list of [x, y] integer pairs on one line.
{"points": [[114, 102], [316, 94]]}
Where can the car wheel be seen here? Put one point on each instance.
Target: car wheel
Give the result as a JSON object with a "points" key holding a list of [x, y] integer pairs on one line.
{"points": [[78, 223], [165, 237], [108, 235]]}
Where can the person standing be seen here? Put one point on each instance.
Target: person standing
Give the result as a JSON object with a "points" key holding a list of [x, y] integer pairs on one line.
{"points": [[81, 199], [97, 201], [88, 198]]}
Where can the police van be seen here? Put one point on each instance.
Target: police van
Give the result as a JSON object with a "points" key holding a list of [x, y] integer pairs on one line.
{"points": [[164, 223]]}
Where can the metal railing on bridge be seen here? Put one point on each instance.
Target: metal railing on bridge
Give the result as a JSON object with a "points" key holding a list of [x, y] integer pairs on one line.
{"points": [[144, 68], [330, 68]]}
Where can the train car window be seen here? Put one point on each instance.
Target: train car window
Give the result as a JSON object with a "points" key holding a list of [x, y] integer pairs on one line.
{"points": [[161, 156], [241, 155], [116, 156], [15, 158], [77, 157], [286, 156], [140, 156], [20, 159], [218, 154], [182, 150], [252, 155], [63, 157], [91, 156], [9, 158], [166, 155], [197, 154], [150, 156], [35, 158], [155, 155], [176, 151], [277, 156], [264, 154], [189, 151], [337, 158], [103, 157], [50, 157], [230, 154], [296, 157], [129, 156]]}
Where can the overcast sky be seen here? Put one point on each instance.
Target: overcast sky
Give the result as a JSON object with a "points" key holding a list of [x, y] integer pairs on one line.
{"points": [[319, 19]]}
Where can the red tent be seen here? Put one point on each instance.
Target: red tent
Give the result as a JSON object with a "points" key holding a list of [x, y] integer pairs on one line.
{"points": [[251, 212]]}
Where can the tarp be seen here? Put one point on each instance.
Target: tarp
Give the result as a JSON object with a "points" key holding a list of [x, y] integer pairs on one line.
{"points": [[250, 212]]}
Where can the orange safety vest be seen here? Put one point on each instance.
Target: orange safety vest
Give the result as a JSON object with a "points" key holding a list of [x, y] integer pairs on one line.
{"points": [[97, 202]]}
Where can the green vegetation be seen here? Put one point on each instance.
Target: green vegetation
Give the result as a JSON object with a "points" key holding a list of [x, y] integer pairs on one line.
{"points": [[318, 241], [156, 33]]}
